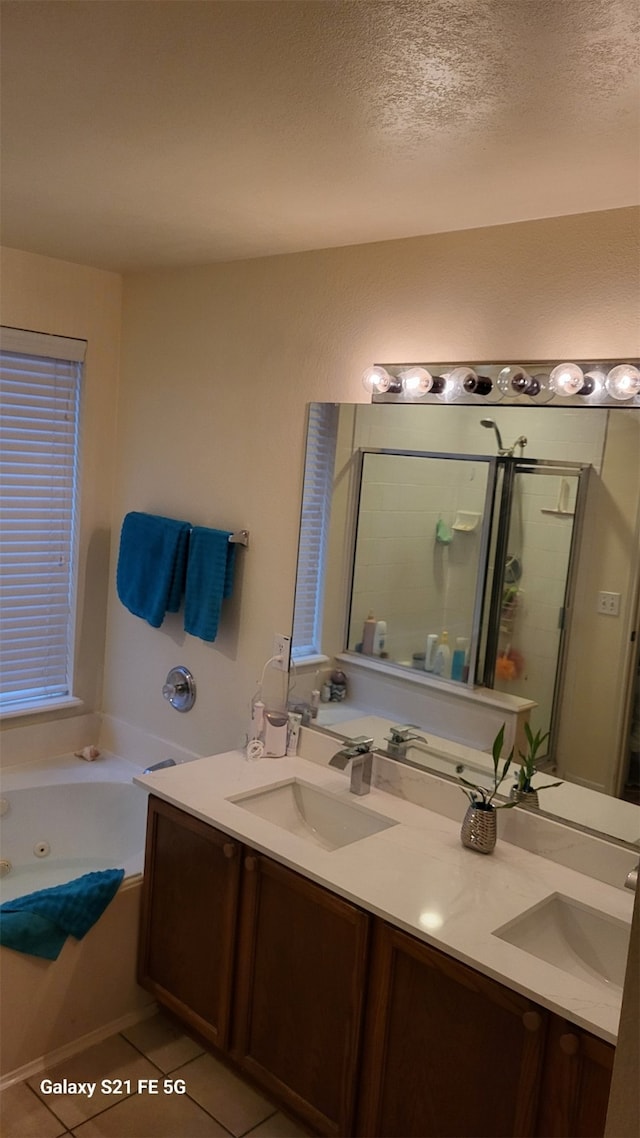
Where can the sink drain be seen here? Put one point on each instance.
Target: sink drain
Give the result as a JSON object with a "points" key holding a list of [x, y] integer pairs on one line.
{"points": [[42, 849]]}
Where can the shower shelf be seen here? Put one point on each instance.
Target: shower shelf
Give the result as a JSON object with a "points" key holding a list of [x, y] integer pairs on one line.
{"points": [[559, 513]]}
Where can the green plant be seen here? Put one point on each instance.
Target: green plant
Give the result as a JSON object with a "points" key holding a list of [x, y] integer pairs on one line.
{"points": [[528, 768], [482, 797]]}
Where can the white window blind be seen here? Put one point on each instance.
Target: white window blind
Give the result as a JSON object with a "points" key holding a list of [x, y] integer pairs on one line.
{"points": [[40, 379], [314, 528]]}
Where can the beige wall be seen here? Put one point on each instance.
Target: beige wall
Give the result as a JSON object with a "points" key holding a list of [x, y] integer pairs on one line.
{"points": [[219, 363], [46, 295]]}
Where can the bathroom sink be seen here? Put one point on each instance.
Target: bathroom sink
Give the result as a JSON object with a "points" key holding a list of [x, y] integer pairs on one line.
{"points": [[312, 813], [574, 937]]}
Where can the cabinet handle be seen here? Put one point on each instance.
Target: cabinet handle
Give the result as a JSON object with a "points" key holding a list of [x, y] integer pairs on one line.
{"points": [[532, 1021], [250, 863], [229, 849], [569, 1043]]}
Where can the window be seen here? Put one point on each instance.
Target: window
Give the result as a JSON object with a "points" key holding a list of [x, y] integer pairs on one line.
{"points": [[314, 528], [40, 379]]}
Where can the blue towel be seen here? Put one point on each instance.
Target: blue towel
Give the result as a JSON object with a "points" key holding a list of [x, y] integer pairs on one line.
{"points": [[39, 923], [151, 565], [209, 580]]}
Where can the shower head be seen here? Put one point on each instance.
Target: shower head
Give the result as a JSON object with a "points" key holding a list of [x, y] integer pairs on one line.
{"points": [[492, 426], [502, 450]]}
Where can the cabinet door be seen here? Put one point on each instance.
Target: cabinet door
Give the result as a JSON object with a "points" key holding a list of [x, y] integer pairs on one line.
{"points": [[299, 993], [576, 1083], [188, 918], [448, 1051]]}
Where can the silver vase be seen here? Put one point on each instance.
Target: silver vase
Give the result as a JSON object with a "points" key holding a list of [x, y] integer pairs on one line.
{"points": [[479, 829], [524, 797]]}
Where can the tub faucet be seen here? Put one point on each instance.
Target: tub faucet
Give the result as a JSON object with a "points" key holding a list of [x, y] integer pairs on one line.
{"points": [[631, 880], [359, 751], [160, 766], [400, 739]]}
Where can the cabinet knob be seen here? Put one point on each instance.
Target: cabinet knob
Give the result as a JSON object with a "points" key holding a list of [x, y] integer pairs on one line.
{"points": [[532, 1021], [569, 1043], [250, 863], [229, 849]]}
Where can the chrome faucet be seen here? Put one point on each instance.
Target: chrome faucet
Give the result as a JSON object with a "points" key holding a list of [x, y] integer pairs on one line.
{"points": [[400, 739], [359, 751], [631, 880]]}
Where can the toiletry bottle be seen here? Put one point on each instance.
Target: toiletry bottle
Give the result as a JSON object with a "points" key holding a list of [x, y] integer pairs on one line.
{"points": [[314, 703], [442, 662], [368, 634], [459, 658], [430, 651], [379, 637], [293, 732]]}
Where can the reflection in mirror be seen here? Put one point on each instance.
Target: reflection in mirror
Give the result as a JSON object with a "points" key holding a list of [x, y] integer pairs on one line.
{"points": [[596, 684]]}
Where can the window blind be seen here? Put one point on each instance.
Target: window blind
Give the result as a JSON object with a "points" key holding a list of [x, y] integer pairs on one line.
{"points": [[314, 528], [39, 425]]}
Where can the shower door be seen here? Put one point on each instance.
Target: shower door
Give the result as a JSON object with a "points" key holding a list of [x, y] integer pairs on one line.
{"points": [[420, 556], [529, 605]]}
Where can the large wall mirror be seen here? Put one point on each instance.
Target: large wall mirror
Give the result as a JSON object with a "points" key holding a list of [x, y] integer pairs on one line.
{"points": [[429, 529]]}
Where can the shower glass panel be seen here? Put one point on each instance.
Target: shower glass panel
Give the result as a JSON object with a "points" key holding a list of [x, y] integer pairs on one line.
{"points": [[532, 588], [420, 554]]}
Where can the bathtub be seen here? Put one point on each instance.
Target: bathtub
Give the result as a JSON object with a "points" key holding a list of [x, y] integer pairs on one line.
{"points": [[64, 817]]}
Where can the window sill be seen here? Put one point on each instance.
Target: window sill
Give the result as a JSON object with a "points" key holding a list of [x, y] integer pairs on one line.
{"points": [[307, 661], [39, 708]]}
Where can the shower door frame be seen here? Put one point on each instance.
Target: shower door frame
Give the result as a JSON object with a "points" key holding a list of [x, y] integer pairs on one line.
{"points": [[511, 467]]}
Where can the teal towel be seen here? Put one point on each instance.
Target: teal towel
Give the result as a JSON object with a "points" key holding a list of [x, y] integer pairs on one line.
{"points": [[209, 580], [39, 923], [151, 565]]}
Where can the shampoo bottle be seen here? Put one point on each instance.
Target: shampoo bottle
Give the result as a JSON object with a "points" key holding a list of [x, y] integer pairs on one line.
{"points": [[368, 634], [379, 637], [459, 658], [442, 662]]}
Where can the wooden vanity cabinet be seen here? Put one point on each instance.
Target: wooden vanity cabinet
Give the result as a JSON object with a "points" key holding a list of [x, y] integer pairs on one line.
{"points": [[300, 993], [576, 1082], [357, 1027], [188, 918], [448, 1051]]}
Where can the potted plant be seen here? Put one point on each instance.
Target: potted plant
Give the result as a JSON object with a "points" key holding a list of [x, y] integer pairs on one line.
{"points": [[523, 792], [479, 824]]}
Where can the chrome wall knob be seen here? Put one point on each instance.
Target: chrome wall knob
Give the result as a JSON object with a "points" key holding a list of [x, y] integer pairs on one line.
{"points": [[180, 689]]}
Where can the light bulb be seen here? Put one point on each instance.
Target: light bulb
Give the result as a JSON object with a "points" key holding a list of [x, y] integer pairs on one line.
{"points": [[567, 379], [594, 390], [623, 381], [416, 381], [514, 380], [376, 380], [451, 384], [539, 389]]}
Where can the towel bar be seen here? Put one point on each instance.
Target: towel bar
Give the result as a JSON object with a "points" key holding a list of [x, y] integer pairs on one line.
{"points": [[240, 537]]}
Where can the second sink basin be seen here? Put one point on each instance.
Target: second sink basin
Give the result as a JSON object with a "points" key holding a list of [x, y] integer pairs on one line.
{"points": [[312, 813], [574, 937]]}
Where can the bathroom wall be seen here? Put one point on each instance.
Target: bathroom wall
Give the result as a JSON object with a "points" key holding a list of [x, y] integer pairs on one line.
{"points": [[220, 361], [218, 364], [47, 295]]}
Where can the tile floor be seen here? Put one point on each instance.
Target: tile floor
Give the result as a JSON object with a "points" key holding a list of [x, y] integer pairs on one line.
{"points": [[216, 1103]]}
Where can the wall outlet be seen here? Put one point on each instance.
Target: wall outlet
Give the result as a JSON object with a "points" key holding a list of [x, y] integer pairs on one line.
{"points": [[281, 647], [609, 604]]}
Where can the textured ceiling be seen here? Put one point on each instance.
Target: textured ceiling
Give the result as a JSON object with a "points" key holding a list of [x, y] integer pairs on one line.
{"points": [[143, 133]]}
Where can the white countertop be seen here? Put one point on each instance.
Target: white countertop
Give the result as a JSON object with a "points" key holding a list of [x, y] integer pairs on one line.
{"points": [[416, 875]]}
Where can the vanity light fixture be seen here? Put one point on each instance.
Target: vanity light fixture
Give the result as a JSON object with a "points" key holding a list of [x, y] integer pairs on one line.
{"points": [[583, 383]]}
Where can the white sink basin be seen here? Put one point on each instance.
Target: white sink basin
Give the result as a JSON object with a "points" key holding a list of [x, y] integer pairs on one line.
{"points": [[580, 940], [312, 813]]}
